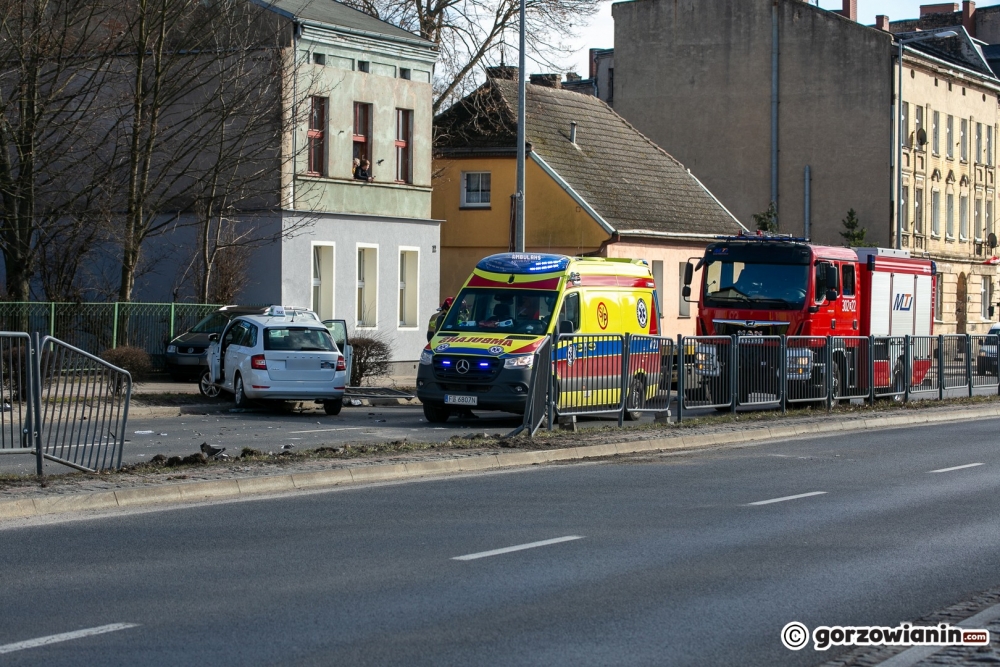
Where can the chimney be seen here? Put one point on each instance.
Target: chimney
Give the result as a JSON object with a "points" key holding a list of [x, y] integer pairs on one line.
{"points": [[593, 63], [969, 17], [572, 132], [940, 8], [850, 10], [547, 80], [505, 72], [882, 22], [573, 76]]}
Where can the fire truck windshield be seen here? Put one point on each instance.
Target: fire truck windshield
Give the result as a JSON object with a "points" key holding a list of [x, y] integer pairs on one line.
{"points": [[730, 284]]}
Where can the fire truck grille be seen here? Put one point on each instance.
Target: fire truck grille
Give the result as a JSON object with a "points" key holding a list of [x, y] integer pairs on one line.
{"points": [[749, 328]]}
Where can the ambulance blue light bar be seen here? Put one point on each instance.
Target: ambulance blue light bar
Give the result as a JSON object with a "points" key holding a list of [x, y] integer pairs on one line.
{"points": [[519, 263]]}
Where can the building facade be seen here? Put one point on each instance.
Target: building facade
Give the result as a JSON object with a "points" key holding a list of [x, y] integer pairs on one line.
{"points": [[593, 186], [780, 100]]}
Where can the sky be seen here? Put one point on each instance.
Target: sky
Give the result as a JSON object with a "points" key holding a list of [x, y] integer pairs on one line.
{"points": [[600, 33]]}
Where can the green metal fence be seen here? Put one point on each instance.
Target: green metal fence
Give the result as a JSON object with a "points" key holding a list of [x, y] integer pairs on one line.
{"points": [[95, 327]]}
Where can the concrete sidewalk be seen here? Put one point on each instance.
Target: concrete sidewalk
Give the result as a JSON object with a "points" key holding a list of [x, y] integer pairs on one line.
{"points": [[229, 483]]}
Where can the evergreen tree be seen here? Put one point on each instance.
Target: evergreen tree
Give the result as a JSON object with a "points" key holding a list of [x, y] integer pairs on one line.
{"points": [[854, 236], [768, 220]]}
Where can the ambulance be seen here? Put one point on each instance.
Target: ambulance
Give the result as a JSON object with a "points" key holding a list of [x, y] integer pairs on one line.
{"points": [[481, 357]]}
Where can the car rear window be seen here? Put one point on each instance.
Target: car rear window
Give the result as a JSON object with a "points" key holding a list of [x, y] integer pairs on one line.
{"points": [[298, 339]]}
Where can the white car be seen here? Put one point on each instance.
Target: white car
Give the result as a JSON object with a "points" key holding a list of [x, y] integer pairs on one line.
{"points": [[289, 357]]}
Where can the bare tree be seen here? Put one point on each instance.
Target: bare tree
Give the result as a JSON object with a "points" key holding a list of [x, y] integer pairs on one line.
{"points": [[470, 33]]}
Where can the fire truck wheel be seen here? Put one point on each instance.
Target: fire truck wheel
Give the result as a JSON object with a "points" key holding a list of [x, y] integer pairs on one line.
{"points": [[899, 381], [836, 385], [634, 400]]}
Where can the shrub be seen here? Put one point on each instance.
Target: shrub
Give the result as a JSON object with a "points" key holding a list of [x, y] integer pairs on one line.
{"points": [[133, 359], [371, 359]]}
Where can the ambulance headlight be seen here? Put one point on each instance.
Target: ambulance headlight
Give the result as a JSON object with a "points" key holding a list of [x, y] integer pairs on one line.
{"points": [[520, 361], [426, 358]]}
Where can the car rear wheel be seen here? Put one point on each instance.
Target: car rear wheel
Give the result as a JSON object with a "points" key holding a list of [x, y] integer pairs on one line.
{"points": [[205, 386], [238, 394], [333, 407], [436, 414]]}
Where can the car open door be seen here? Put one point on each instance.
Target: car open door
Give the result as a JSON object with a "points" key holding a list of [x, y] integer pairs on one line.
{"points": [[214, 357], [338, 329]]}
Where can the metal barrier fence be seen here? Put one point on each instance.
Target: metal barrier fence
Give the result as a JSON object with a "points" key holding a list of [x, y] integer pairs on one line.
{"points": [[982, 359], [758, 370], [100, 326], [849, 367], [649, 373], [923, 364], [889, 367], [61, 404], [589, 371], [703, 378], [536, 409], [807, 359]]}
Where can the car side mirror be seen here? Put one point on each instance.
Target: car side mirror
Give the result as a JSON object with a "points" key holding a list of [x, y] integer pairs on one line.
{"points": [[565, 327], [213, 338], [688, 275], [832, 295], [686, 290], [832, 278]]}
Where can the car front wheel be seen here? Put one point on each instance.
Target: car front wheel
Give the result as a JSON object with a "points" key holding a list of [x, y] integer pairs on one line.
{"points": [[205, 386], [239, 394]]}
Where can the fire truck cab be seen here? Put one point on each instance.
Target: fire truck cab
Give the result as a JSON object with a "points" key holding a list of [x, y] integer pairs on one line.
{"points": [[772, 286]]}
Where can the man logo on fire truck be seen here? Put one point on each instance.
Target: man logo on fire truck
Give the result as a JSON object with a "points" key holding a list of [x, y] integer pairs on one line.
{"points": [[903, 302]]}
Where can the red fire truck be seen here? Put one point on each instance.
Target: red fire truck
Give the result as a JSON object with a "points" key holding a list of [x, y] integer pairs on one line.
{"points": [[773, 285]]}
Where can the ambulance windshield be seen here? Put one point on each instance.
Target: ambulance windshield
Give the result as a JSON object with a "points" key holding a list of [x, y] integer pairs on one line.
{"points": [[501, 310], [732, 284]]}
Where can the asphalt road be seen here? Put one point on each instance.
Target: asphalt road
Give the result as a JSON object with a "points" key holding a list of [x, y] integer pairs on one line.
{"points": [[674, 565]]}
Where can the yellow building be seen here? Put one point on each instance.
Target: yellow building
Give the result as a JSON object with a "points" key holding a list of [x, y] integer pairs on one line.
{"points": [[594, 185]]}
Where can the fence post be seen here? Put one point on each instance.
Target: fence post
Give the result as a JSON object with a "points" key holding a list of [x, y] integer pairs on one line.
{"points": [[626, 385], [871, 370], [907, 368], [34, 406], [940, 364], [172, 304], [553, 340], [828, 373], [968, 362], [783, 366], [114, 328], [734, 372], [52, 319], [680, 377]]}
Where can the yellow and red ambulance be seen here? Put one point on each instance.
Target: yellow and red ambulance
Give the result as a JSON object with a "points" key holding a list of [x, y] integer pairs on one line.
{"points": [[482, 355]]}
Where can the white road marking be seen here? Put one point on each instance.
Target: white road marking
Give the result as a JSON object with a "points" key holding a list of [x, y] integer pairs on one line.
{"points": [[327, 430], [519, 547], [64, 637], [781, 500], [968, 465]]}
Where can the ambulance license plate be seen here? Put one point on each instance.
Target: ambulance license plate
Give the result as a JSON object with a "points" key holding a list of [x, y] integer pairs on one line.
{"points": [[451, 399]]}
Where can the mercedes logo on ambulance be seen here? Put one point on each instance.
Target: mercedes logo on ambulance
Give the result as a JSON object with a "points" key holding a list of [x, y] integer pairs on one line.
{"points": [[462, 366]]}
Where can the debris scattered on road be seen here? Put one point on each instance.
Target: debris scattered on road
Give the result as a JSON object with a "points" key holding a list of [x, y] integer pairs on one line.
{"points": [[356, 401], [288, 446], [210, 451], [144, 433], [379, 421], [163, 434]]}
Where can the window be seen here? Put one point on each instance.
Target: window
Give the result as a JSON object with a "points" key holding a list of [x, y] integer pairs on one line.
{"points": [[918, 211], [986, 297], [936, 132], [362, 131], [571, 310], [979, 220], [367, 315], [963, 217], [949, 137], [935, 213], [317, 137], [319, 58], [363, 65], [476, 189], [408, 280], [963, 139], [904, 124], [298, 339], [322, 281], [847, 279], [938, 298], [820, 282], [404, 73], [684, 307], [989, 145], [906, 211], [919, 133], [989, 217], [404, 146], [950, 216], [979, 143]]}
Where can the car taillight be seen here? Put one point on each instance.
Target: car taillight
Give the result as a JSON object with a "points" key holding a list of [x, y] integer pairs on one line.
{"points": [[341, 365], [258, 362]]}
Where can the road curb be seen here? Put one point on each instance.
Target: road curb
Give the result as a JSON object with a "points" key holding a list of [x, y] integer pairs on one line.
{"points": [[22, 508]]}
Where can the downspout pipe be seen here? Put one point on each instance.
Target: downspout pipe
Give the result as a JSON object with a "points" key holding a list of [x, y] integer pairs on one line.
{"points": [[808, 203], [774, 103]]}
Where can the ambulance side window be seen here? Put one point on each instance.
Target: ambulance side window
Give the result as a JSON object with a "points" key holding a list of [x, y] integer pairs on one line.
{"points": [[571, 310], [847, 279]]}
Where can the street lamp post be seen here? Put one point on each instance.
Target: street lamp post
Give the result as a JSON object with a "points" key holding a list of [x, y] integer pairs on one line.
{"points": [[899, 126], [519, 196]]}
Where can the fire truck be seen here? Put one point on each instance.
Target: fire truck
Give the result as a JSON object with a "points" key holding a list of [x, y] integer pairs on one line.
{"points": [[760, 286]]}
